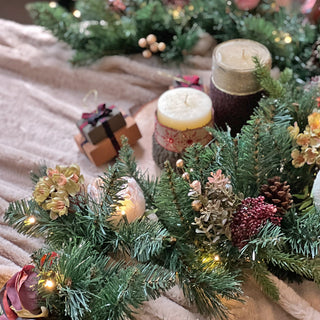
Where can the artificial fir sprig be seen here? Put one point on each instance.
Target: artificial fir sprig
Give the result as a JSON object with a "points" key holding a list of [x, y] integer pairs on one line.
{"points": [[101, 30]]}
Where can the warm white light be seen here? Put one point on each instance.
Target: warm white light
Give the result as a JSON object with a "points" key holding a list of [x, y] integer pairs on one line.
{"points": [[49, 284], [52, 4], [76, 13], [216, 258], [287, 39], [123, 212], [277, 39], [31, 220]]}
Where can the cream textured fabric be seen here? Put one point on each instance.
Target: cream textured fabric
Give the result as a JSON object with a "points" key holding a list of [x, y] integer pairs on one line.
{"points": [[41, 97]]}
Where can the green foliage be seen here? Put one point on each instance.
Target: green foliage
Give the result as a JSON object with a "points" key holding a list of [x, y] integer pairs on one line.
{"points": [[303, 232], [207, 287], [174, 211], [142, 239], [261, 275], [102, 30]]}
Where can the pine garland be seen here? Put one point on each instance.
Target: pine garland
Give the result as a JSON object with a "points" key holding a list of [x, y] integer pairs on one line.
{"points": [[94, 263], [102, 30]]}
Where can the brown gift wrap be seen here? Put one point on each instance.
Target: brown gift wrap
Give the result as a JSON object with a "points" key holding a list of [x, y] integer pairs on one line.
{"points": [[106, 150], [95, 125], [234, 89]]}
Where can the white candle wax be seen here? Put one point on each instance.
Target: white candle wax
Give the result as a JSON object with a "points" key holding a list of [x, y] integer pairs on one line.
{"points": [[233, 67], [184, 108], [238, 54]]}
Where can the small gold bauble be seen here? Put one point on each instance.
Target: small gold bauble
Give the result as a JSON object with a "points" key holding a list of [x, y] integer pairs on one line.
{"points": [[151, 38], [186, 176], [196, 205], [154, 47], [147, 53], [180, 163], [161, 46], [142, 43]]}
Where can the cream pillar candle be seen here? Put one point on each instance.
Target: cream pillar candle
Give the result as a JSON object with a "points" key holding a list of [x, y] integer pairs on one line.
{"points": [[184, 108], [233, 67]]}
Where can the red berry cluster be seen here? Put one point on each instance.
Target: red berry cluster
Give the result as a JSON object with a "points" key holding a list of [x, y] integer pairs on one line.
{"points": [[251, 216]]}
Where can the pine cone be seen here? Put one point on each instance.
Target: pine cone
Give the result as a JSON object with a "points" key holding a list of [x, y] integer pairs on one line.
{"points": [[277, 193]]}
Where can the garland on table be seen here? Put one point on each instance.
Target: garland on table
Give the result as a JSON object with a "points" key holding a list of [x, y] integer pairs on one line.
{"points": [[97, 28], [240, 205]]}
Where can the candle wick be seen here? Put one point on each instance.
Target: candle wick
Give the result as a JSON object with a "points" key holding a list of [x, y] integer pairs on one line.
{"points": [[186, 99]]}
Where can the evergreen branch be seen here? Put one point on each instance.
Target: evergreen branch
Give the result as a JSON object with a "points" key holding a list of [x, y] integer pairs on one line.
{"points": [[261, 275], [270, 236], [198, 156], [303, 232], [298, 265], [250, 148], [224, 155], [274, 88], [143, 239], [156, 279], [174, 210], [206, 288], [76, 272]]}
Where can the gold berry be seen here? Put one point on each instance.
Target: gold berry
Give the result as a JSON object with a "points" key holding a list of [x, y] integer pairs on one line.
{"points": [[161, 46], [147, 53], [151, 38], [180, 163], [142, 43], [154, 47], [196, 205], [186, 176]]}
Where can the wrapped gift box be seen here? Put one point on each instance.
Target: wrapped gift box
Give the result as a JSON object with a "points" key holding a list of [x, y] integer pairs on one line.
{"points": [[106, 149], [100, 124]]}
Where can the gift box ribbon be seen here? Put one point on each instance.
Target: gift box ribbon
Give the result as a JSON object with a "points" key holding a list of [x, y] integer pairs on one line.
{"points": [[92, 118], [190, 82]]}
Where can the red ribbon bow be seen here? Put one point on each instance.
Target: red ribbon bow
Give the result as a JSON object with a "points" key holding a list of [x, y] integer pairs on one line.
{"points": [[93, 117], [190, 81]]}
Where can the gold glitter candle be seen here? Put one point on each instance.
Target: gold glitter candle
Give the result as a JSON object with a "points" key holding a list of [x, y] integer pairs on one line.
{"points": [[234, 89]]}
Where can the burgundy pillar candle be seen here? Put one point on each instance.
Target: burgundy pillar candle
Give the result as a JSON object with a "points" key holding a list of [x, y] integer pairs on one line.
{"points": [[234, 89]]}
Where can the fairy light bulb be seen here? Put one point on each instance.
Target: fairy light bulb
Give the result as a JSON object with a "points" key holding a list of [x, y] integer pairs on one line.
{"points": [[52, 4], [76, 13], [287, 39], [205, 260], [30, 220], [176, 14], [216, 258], [49, 284]]}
